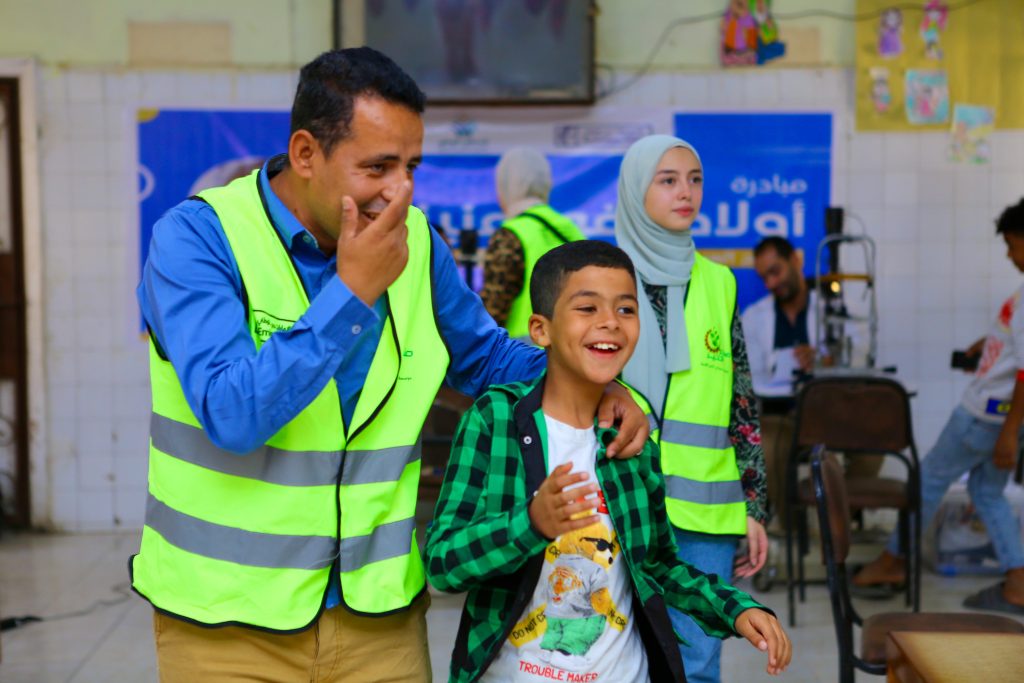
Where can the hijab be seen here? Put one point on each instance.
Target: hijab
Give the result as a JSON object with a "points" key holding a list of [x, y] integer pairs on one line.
{"points": [[523, 179], [661, 257]]}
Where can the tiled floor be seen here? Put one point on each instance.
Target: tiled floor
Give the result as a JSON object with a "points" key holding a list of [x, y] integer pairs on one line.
{"points": [[58, 574]]}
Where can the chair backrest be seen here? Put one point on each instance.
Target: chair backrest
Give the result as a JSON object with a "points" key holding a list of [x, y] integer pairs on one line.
{"points": [[854, 414], [833, 506], [834, 522]]}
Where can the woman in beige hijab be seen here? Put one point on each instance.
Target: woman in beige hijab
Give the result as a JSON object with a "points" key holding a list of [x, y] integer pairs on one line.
{"points": [[531, 229]]}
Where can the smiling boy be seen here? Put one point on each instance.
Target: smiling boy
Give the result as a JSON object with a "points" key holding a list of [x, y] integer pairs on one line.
{"points": [[568, 555]]}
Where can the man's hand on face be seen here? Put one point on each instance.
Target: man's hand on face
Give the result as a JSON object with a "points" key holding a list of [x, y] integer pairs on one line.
{"points": [[372, 257]]}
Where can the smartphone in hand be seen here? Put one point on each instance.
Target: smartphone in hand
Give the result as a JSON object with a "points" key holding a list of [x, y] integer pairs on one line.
{"points": [[963, 361]]}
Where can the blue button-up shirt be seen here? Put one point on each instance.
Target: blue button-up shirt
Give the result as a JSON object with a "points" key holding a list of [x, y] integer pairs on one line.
{"points": [[191, 298]]}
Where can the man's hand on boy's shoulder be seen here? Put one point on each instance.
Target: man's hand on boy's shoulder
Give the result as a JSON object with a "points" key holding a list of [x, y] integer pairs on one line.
{"points": [[618, 407], [765, 633], [557, 509]]}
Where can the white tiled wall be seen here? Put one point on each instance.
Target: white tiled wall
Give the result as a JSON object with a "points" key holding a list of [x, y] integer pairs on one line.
{"points": [[96, 362], [942, 271]]}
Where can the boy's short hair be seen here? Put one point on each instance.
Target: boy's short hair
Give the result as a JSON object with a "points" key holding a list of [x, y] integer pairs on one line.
{"points": [[329, 85], [782, 246], [1011, 221], [553, 268]]}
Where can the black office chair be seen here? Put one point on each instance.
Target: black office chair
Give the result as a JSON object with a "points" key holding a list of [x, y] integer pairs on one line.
{"points": [[834, 518], [858, 416]]}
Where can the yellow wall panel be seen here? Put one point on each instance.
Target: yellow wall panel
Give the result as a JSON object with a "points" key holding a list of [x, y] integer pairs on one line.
{"points": [[982, 55]]}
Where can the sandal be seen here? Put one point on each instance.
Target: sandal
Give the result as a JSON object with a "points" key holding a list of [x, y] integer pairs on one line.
{"points": [[992, 599]]}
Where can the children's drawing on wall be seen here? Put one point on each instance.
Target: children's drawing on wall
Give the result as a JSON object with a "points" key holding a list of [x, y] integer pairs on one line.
{"points": [[927, 96], [881, 93], [769, 46], [933, 23], [890, 32], [739, 35], [749, 34], [972, 126]]}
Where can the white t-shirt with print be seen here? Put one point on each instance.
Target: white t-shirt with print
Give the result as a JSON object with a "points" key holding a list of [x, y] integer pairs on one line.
{"points": [[989, 393], [578, 626]]}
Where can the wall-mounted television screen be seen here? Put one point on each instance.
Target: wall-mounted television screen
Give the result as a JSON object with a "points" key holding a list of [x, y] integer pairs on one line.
{"points": [[489, 51]]}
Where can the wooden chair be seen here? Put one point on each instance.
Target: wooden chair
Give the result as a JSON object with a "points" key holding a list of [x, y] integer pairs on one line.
{"points": [[834, 516], [855, 415]]}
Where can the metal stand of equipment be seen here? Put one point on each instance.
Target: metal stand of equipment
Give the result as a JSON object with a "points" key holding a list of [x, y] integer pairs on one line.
{"points": [[832, 332]]}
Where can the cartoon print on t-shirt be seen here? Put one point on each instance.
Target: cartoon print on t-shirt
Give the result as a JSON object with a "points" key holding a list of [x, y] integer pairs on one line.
{"points": [[579, 604]]}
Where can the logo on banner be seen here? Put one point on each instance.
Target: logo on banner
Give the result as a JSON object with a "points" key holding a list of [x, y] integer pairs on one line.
{"points": [[463, 136], [601, 135]]}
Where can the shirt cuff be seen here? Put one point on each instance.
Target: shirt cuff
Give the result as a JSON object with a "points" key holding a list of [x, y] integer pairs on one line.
{"points": [[523, 533], [337, 316]]}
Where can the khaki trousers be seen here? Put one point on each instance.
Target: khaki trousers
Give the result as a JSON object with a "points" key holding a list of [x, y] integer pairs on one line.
{"points": [[340, 646]]}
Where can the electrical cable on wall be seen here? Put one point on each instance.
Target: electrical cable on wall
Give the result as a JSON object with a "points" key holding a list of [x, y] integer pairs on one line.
{"points": [[717, 16], [121, 589]]}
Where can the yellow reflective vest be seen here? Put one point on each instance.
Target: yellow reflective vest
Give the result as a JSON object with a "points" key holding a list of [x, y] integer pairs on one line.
{"points": [[539, 229], [251, 539], [703, 488]]}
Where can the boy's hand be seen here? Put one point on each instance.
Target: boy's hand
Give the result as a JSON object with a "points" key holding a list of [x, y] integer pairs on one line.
{"points": [[617, 405], [753, 555], [976, 348], [765, 633], [555, 508], [1007, 446]]}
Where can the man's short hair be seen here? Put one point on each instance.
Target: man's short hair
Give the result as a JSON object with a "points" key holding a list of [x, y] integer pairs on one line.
{"points": [[328, 86], [782, 246], [553, 269], [1011, 221]]}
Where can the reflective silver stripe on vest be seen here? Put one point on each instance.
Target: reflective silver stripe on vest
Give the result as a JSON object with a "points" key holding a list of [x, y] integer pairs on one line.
{"points": [[393, 539], [652, 423], [690, 434], [704, 492], [249, 548], [266, 463], [383, 464]]}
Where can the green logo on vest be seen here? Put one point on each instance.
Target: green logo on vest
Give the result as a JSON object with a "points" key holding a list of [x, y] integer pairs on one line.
{"points": [[265, 325], [407, 353], [713, 341]]}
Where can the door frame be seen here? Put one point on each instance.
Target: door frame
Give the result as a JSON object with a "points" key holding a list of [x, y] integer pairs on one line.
{"points": [[24, 71]]}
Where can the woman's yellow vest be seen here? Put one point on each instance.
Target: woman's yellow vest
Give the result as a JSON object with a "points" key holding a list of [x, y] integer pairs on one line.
{"points": [[539, 229], [251, 539], [702, 481]]}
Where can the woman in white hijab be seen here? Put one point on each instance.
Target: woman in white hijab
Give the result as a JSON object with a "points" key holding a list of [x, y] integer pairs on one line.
{"points": [[531, 229], [691, 364]]}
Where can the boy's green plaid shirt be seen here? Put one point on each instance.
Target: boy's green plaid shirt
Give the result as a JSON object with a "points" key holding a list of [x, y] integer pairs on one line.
{"points": [[482, 541]]}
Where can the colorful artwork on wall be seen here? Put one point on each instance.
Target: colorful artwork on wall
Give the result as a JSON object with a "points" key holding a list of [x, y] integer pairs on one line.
{"points": [[927, 96], [978, 46], [750, 35], [972, 126]]}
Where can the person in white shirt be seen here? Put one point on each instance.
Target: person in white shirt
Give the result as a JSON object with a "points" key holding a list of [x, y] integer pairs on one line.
{"points": [[780, 330], [982, 438], [779, 327]]}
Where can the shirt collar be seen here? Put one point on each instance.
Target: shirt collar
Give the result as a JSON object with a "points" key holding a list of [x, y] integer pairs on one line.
{"points": [[285, 222]]}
